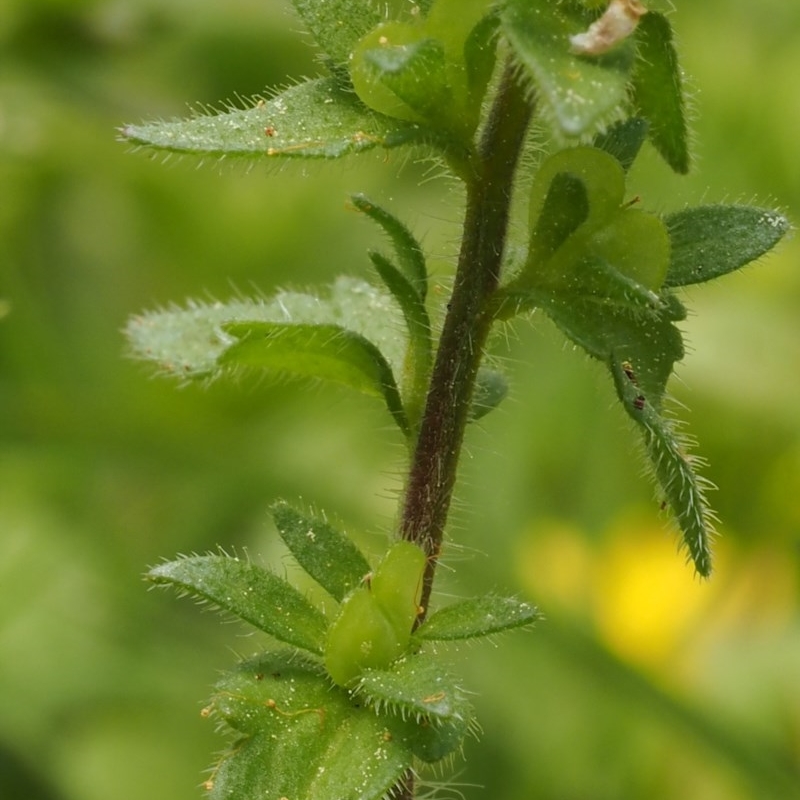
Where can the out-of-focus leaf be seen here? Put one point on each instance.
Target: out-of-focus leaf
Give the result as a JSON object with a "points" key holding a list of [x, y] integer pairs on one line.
{"points": [[249, 592], [325, 553], [329, 352], [189, 342], [315, 119], [337, 25], [410, 256], [710, 241], [623, 140], [491, 388], [658, 91], [580, 95], [300, 738], [478, 616]]}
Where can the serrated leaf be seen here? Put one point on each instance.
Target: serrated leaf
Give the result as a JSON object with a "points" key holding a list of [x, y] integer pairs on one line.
{"points": [[315, 119], [710, 241], [658, 91], [580, 95], [478, 616], [337, 25], [432, 711], [325, 553], [329, 352], [302, 739], [623, 140], [249, 592]]}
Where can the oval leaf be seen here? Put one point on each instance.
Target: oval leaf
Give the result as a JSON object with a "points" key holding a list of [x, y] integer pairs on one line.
{"points": [[709, 241], [326, 554], [658, 91], [249, 592]]}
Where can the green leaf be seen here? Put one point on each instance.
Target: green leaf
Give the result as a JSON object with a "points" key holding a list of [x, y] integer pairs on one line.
{"points": [[580, 95], [491, 388], [433, 714], [362, 325], [710, 241], [479, 616], [315, 119], [410, 256], [300, 738], [315, 351], [658, 91], [249, 592], [673, 467], [623, 140], [337, 25], [325, 553]]}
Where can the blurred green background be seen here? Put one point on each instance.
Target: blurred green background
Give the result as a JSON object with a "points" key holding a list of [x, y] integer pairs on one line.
{"points": [[642, 683]]}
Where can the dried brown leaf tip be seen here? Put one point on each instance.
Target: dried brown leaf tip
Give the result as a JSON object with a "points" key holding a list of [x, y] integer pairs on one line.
{"points": [[617, 23]]}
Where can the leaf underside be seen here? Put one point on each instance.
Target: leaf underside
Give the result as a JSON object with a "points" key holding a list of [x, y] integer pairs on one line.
{"points": [[314, 119], [189, 342]]}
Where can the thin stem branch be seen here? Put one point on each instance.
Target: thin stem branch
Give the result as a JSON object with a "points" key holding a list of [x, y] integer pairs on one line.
{"points": [[433, 470]]}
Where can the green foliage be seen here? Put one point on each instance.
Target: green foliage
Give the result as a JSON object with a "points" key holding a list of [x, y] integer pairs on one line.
{"points": [[353, 720], [296, 736]]}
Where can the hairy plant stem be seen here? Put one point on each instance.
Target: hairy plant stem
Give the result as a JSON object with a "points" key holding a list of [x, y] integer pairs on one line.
{"points": [[489, 188]]}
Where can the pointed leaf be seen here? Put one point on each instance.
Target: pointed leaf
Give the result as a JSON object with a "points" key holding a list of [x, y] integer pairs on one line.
{"points": [[580, 94], [710, 241], [479, 616], [315, 351], [658, 91], [409, 252], [623, 140], [249, 592], [315, 119], [432, 711], [302, 739], [673, 467], [325, 553]]}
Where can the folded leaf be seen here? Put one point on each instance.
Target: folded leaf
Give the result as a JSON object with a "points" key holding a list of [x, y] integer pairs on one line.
{"points": [[249, 592], [579, 94], [479, 616], [658, 91], [315, 119], [710, 241], [325, 553], [315, 351], [302, 739], [432, 712]]}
